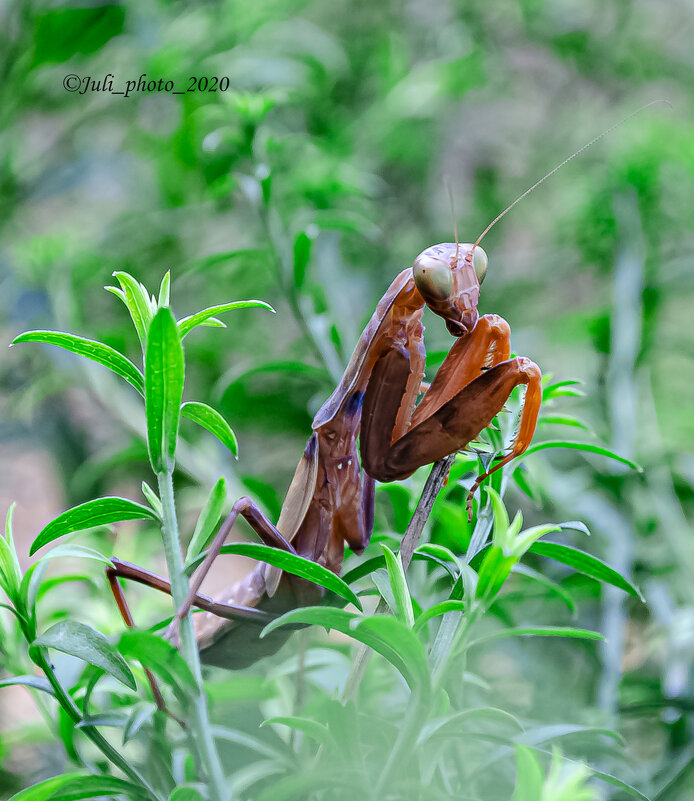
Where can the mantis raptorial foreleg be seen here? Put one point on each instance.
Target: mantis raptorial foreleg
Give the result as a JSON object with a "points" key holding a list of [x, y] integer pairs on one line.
{"points": [[470, 388]]}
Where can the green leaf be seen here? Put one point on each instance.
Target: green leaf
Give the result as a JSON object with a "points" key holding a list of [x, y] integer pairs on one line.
{"points": [[207, 521], [599, 774], [185, 794], [585, 563], [528, 537], [383, 633], [35, 682], [437, 610], [306, 784], [115, 719], [562, 420], [581, 446], [96, 351], [152, 499], [187, 324], [540, 631], [44, 789], [302, 256], [94, 786], [99, 512], [212, 420], [440, 552], [382, 581], [164, 290], [398, 585], [140, 714], [158, 655], [10, 571], [280, 753], [312, 728], [542, 734], [451, 726], [73, 551], [136, 298], [493, 572], [529, 778], [501, 521], [164, 377], [291, 563], [368, 566], [561, 388], [84, 642]]}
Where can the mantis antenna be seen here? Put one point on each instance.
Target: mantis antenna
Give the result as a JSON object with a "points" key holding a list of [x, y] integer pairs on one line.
{"points": [[559, 166], [455, 224]]}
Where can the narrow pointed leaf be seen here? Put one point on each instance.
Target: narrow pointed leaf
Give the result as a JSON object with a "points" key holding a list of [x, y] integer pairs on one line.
{"points": [[164, 289], [501, 521], [185, 794], [213, 421], [164, 376], [10, 571], [585, 563], [97, 786], [529, 778], [158, 655], [581, 446], [114, 719], [291, 563], [99, 512], [562, 420], [96, 351], [542, 734], [35, 682], [207, 521], [383, 633], [382, 581], [493, 572], [312, 728], [398, 585], [187, 324], [84, 642], [76, 786], [140, 714], [540, 631], [152, 499], [136, 298], [600, 774], [437, 610], [530, 536]]}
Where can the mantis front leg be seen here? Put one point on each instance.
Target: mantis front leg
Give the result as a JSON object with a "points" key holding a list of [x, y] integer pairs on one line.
{"points": [[472, 386]]}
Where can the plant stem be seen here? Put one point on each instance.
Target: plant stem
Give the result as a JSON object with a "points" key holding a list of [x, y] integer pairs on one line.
{"points": [[435, 481], [65, 700], [200, 723], [406, 734]]}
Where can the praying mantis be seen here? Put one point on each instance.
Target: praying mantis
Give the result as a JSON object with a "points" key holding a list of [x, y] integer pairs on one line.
{"points": [[370, 429]]}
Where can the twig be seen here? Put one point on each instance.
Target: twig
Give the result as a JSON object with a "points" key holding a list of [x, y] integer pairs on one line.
{"points": [[434, 483]]}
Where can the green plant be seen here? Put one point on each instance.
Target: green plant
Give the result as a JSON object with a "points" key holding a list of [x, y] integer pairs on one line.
{"points": [[386, 740]]}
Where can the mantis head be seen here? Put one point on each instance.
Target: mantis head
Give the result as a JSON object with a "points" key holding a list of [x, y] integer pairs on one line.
{"points": [[448, 276]]}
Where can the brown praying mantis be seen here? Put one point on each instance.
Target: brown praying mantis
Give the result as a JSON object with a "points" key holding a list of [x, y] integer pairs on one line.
{"points": [[330, 500], [370, 429]]}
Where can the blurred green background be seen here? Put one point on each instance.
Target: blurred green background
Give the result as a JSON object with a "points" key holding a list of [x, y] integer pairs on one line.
{"points": [[319, 174]]}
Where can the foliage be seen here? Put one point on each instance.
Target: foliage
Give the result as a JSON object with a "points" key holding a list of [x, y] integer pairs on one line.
{"points": [[461, 598], [310, 183]]}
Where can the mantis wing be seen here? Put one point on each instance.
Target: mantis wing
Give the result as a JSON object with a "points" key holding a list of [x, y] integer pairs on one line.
{"points": [[296, 503]]}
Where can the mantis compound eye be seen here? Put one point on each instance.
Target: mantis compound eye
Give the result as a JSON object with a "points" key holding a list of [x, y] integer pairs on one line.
{"points": [[432, 276], [479, 262]]}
